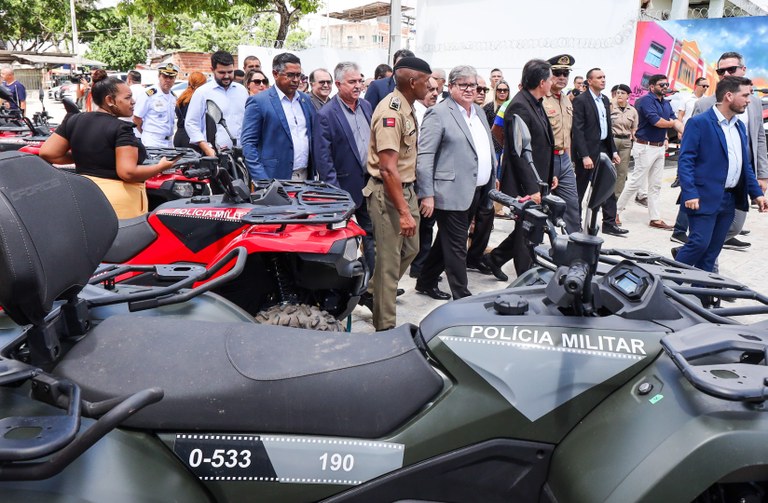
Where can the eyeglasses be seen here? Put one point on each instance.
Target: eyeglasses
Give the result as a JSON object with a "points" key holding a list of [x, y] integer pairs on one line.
{"points": [[705, 86], [501, 90], [730, 69], [294, 76], [482, 89], [466, 86], [561, 73], [324, 82], [259, 82], [665, 84]]}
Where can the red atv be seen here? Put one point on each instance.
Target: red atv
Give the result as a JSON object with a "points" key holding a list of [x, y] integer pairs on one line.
{"points": [[302, 268]]}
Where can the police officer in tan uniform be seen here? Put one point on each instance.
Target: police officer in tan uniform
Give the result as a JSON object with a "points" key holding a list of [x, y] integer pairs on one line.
{"points": [[559, 111], [390, 195]]}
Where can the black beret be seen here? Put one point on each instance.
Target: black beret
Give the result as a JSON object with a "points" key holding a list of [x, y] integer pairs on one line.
{"points": [[413, 63], [562, 61], [625, 88]]}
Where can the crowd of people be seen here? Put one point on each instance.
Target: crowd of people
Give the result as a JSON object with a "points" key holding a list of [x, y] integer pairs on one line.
{"points": [[417, 148]]}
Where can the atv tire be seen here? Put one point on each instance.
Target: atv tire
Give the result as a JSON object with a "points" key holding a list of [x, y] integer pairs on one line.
{"points": [[299, 316]]}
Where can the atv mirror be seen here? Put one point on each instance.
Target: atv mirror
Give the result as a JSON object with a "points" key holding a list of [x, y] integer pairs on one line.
{"points": [[212, 109], [6, 95], [69, 106], [521, 137], [603, 182]]}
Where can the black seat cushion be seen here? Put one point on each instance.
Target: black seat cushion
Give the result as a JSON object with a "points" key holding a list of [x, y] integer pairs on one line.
{"points": [[133, 235], [55, 228], [259, 378]]}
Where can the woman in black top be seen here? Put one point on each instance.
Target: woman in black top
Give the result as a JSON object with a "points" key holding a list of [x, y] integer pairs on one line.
{"points": [[105, 149], [195, 80]]}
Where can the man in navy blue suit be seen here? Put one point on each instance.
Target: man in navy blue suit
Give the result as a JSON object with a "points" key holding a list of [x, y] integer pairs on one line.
{"points": [[715, 173], [382, 87], [340, 138], [277, 126]]}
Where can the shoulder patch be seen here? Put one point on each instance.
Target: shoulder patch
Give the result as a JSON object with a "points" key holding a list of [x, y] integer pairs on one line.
{"points": [[394, 103], [151, 91], [389, 122]]}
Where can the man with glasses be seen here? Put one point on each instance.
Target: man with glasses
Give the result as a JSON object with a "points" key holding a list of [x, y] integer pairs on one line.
{"points": [[732, 64], [482, 91], [699, 89], [341, 135], [155, 109], [560, 114], [230, 98], [655, 117], [320, 87], [454, 170], [277, 127]]}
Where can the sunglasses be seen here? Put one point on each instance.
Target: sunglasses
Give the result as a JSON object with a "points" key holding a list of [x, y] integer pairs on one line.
{"points": [[324, 82], [259, 82], [705, 86], [665, 84], [481, 89], [502, 90], [561, 73], [730, 69]]}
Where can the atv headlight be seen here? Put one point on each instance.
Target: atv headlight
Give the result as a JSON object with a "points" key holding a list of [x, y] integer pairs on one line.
{"points": [[183, 189], [351, 247]]}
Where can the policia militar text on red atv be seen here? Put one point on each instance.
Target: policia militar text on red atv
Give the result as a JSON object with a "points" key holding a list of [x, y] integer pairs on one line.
{"points": [[609, 383]]}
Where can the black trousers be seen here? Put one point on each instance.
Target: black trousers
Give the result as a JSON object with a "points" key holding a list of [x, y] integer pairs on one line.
{"points": [[583, 176], [426, 234], [514, 248], [481, 233], [449, 252]]}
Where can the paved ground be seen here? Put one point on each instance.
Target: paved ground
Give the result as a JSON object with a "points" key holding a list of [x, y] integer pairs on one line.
{"points": [[749, 267]]}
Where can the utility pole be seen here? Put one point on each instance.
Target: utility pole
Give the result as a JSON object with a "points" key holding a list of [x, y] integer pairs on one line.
{"points": [[75, 49], [395, 22]]}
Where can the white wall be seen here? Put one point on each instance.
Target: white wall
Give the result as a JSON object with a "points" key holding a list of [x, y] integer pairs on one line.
{"points": [[491, 33]]}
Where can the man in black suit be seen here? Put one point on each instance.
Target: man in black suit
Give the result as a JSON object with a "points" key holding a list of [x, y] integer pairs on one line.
{"points": [[382, 87], [591, 135], [517, 178]]}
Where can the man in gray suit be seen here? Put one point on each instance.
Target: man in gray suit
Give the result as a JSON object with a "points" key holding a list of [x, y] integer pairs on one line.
{"points": [[732, 63], [454, 172]]}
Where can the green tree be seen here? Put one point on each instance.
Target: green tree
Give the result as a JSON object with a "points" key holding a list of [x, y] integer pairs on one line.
{"points": [[119, 51], [37, 25]]}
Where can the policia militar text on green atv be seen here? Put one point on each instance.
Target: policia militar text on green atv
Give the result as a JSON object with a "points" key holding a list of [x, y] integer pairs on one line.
{"points": [[609, 382]]}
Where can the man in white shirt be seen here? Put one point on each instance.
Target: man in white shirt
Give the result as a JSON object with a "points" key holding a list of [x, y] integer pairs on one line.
{"points": [[454, 172], [230, 98]]}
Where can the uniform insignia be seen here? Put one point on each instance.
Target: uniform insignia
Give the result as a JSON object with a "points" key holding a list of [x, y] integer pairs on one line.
{"points": [[151, 91], [408, 124], [389, 122], [394, 103], [564, 60]]}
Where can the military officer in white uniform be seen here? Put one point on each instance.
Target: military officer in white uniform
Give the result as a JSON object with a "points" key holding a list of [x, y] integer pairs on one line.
{"points": [[154, 112]]}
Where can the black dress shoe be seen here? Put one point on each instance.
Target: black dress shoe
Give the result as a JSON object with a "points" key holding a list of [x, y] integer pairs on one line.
{"points": [[495, 270], [613, 229], [366, 299], [400, 291], [479, 267], [433, 292]]}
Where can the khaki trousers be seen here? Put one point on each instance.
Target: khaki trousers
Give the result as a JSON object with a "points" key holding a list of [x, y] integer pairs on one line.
{"points": [[394, 253]]}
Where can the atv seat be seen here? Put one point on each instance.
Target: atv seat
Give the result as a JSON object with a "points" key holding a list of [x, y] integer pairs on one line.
{"points": [[133, 235], [237, 377]]}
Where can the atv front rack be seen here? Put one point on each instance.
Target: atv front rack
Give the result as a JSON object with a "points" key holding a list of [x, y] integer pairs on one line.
{"points": [[726, 362], [292, 202]]}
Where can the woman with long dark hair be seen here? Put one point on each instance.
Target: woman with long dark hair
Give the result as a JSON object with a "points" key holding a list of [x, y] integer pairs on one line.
{"points": [[105, 149]]}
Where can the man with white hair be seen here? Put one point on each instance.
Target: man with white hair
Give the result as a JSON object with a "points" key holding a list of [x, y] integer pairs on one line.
{"points": [[15, 89]]}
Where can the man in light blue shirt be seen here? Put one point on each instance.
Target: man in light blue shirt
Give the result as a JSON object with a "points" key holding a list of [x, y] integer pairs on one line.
{"points": [[227, 94], [277, 128]]}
